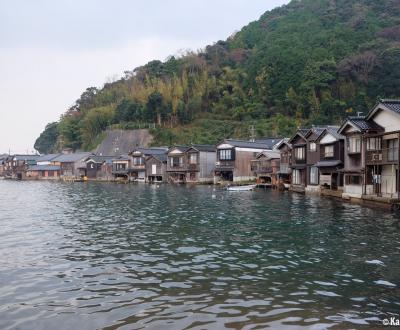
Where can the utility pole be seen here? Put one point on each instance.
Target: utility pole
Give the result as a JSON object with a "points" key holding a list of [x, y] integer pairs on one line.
{"points": [[252, 133]]}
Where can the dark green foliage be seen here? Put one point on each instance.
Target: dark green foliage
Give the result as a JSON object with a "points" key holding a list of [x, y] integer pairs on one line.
{"points": [[46, 142], [311, 61]]}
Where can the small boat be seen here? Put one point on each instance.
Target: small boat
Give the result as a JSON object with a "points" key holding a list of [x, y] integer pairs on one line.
{"points": [[242, 188]]}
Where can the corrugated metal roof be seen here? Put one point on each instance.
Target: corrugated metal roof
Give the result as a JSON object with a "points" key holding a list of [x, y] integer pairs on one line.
{"points": [[270, 154]]}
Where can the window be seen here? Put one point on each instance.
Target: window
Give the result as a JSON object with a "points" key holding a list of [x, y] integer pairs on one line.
{"points": [[138, 161], [393, 150], [354, 144], [328, 151], [353, 180], [193, 158], [314, 175], [374, 144], [153, 168], [176, 161], [313, 146], [296, 177], [225, 154], [299, 153]]}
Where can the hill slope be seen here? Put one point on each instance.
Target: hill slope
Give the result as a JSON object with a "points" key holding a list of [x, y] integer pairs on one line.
{"points": [[311, 61]]}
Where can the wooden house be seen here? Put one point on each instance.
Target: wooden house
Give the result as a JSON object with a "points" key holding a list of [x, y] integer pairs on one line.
{"points": [[285, 163], [234, 160], [17, 165], [121, 166], [43, 172], [72, 165], [382, 161], [299, 160], [99, 167], [138, 165], [3, 159], [354, 129], [266, 167], [331, 159], [156, 168], [191, 164]]}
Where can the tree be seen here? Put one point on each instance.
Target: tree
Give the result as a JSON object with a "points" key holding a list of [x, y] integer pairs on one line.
{"points": [[46, 142]]}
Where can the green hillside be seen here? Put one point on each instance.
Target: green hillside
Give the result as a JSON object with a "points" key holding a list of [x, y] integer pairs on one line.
{"points": [[311, 61]]}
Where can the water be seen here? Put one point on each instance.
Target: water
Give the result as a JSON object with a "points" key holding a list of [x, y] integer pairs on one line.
{"points": [[108, 256]]}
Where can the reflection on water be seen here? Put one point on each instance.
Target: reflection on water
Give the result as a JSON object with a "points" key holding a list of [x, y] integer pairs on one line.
{"points": [[105, 256]]}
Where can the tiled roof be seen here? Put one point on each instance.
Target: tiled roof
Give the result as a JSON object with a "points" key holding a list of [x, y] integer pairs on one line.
{"points": [[247, 144], [25, 157], [47, 158], [204, 147], [270, 142], [100, 159], [333, 130], [270, 154], [363, 124], [71, 158], [182, 149], [391, 104], [151, 151], [162, 157]]}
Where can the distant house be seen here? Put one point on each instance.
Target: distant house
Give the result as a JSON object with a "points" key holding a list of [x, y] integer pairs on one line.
{"points": [[234, 159], [3, 159], [354, 129], [331, 159], [99, 167], [121, 167], [191, 164], [156, 168], [138, 165], [72, 165], [177, 164], [266, 167], [16, 165], [298, 160], [44, 172], [285, 170]]}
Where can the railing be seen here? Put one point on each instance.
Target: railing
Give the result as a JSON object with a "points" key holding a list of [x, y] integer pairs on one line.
{"points": [[389, 155], [224, 164], [193, 167]]}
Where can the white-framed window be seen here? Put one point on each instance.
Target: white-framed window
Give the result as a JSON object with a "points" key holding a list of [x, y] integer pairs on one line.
{"points": [[313, 146], [374, 143], [193, 158], [138, 161], [225, 154], [153, 168], [314, 175], [354, 144], [296, 177], [299, 153], [393, 150], [328, 151]]}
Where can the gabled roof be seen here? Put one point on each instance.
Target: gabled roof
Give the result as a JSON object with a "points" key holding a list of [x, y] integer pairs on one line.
{"points": [[269, 154], [246, 144], [47, 158], [361, 124], [271, 142], [25, 157], [122, 157], [44, 168], [300, 132], [283, 142], [71, 158], [385, 104], [317, 131], [332, 130], [162, 157], [182, 149], [151, 151], [99, 159], [203, 147]]}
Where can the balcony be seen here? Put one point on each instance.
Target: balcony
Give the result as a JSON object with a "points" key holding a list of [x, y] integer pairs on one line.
{"points": [[225, 165], [193, 167], [176, 167], [383, 156]]}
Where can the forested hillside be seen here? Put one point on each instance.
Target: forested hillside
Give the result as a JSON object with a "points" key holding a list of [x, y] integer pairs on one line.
{"points": [[311, 61]]}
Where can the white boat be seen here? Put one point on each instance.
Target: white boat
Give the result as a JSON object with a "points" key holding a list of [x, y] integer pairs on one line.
{"points": [[242, 188]]}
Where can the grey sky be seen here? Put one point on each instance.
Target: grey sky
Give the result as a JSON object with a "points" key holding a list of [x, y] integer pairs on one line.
{"points": [[51, 51]]}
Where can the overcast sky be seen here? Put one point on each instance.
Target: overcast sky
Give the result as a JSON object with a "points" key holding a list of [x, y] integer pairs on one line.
{"points": [[51, 51]]}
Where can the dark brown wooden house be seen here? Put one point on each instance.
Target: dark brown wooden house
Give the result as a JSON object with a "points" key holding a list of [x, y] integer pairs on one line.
{"points": [[99, 167], [299, 160], [285, 163], [156, 168]]}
